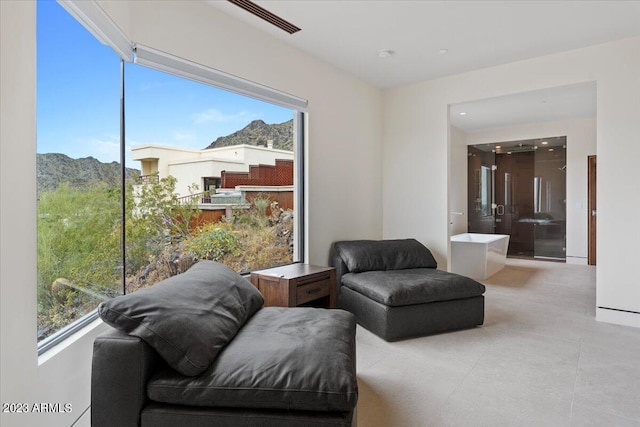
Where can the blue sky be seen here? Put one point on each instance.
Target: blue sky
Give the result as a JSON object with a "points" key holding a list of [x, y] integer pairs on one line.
{"points": [[78, 98]]}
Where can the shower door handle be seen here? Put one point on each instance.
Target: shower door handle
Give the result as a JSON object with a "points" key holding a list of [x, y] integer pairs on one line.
{"points": [[500, 210]]}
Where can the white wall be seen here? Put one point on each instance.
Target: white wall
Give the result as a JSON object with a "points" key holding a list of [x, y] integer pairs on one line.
{"points": [[17, 297], [251, 155], [343, 154], [161, 156], [415, 167], [458, 169], [416, 154], [581, 142]]}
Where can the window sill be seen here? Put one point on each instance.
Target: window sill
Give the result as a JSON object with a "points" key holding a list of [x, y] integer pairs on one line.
{"points": [[90, 325]]}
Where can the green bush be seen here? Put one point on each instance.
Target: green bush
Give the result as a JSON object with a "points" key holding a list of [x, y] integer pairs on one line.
{"points": [[212, 241], [79, 236], [79, 244]]}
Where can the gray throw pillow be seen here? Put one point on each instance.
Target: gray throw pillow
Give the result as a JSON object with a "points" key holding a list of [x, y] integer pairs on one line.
{"points": [[187, 318], [372, 255]]}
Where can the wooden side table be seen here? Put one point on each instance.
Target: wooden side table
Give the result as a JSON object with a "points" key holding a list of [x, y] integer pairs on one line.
{"points": [[297, 284]]}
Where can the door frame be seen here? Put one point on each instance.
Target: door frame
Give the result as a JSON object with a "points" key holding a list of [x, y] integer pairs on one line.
{"points": [[591, 209]]}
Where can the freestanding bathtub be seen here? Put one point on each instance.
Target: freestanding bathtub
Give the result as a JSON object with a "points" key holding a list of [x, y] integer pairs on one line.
{"points": [[478, 255]]}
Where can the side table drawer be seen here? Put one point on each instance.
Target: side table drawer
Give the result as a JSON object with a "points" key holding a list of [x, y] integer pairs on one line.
{"points": [[296, 284], [312, 291]]}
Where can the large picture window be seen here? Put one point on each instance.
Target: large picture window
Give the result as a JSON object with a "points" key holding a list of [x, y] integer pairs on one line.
{"points": [[210, 167], [216, 178]]}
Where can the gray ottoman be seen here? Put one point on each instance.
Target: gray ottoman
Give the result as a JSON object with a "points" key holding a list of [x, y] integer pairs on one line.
{"points": [[394, 289]]}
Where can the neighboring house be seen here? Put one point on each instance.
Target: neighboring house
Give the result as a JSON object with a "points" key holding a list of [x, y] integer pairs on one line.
{"points": [[239, 172], [204, 168]]}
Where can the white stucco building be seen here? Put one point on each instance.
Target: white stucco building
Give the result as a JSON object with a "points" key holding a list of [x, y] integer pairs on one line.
{"points": [[202, 167]]}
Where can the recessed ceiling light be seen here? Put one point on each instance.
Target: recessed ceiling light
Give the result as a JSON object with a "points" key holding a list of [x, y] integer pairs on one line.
{"points": [[443, 51], [498, 146], [508, 152], [385, 53], [550, 149], [463, 113], [545, 142]]}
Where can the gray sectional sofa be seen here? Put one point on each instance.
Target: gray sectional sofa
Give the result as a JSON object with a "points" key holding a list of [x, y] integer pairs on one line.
{"points": [[199, 349], [394, 289]]}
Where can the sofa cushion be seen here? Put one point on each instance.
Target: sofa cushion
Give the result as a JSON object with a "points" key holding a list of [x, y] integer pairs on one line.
{"points": [[413, 286], [369, 255], [283, 358], [187, 318]]}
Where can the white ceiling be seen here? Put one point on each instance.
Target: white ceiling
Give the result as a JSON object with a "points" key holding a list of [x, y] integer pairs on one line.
{"points": [[560, 103], [476, 34]]}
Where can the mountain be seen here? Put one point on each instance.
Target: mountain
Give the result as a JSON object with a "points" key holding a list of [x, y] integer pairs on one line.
{"points": [[258, 133], [55, 168]]}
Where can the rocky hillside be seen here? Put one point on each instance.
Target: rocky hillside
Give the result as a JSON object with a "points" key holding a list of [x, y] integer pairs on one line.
{"points": [[258, 133], [55, 168]]}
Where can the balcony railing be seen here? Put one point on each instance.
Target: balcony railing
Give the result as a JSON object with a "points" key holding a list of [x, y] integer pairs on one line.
{"points": [[214, 198], [203, 197], [148, 179]]}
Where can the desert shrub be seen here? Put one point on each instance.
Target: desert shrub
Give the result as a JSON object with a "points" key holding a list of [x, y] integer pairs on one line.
{"points": [[212, 241], [263, 241], [260, 204], [155, 218], [259, 249], [255, 215], [247, 219]]}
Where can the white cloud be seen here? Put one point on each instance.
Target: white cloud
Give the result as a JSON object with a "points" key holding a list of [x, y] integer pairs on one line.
{"points": [[184, 136], [104, 150], [213, 115], [107, 150]]}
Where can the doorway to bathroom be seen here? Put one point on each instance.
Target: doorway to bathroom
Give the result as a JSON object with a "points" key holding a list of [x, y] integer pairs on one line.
{"points": [[518, 188]]}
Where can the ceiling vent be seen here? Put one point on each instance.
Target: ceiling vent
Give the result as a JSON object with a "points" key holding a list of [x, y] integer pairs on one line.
{"points": [[263, 13]]}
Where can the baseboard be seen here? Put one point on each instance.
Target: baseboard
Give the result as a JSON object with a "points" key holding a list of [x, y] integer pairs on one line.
{"points": [[578, 260], [619, 317]]}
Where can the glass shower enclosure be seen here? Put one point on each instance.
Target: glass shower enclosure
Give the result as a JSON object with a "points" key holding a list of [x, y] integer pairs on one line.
{"points": [[519, 188]]}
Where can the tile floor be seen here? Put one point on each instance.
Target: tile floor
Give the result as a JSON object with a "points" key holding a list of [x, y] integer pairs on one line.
{"points": [[540, 359]]}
